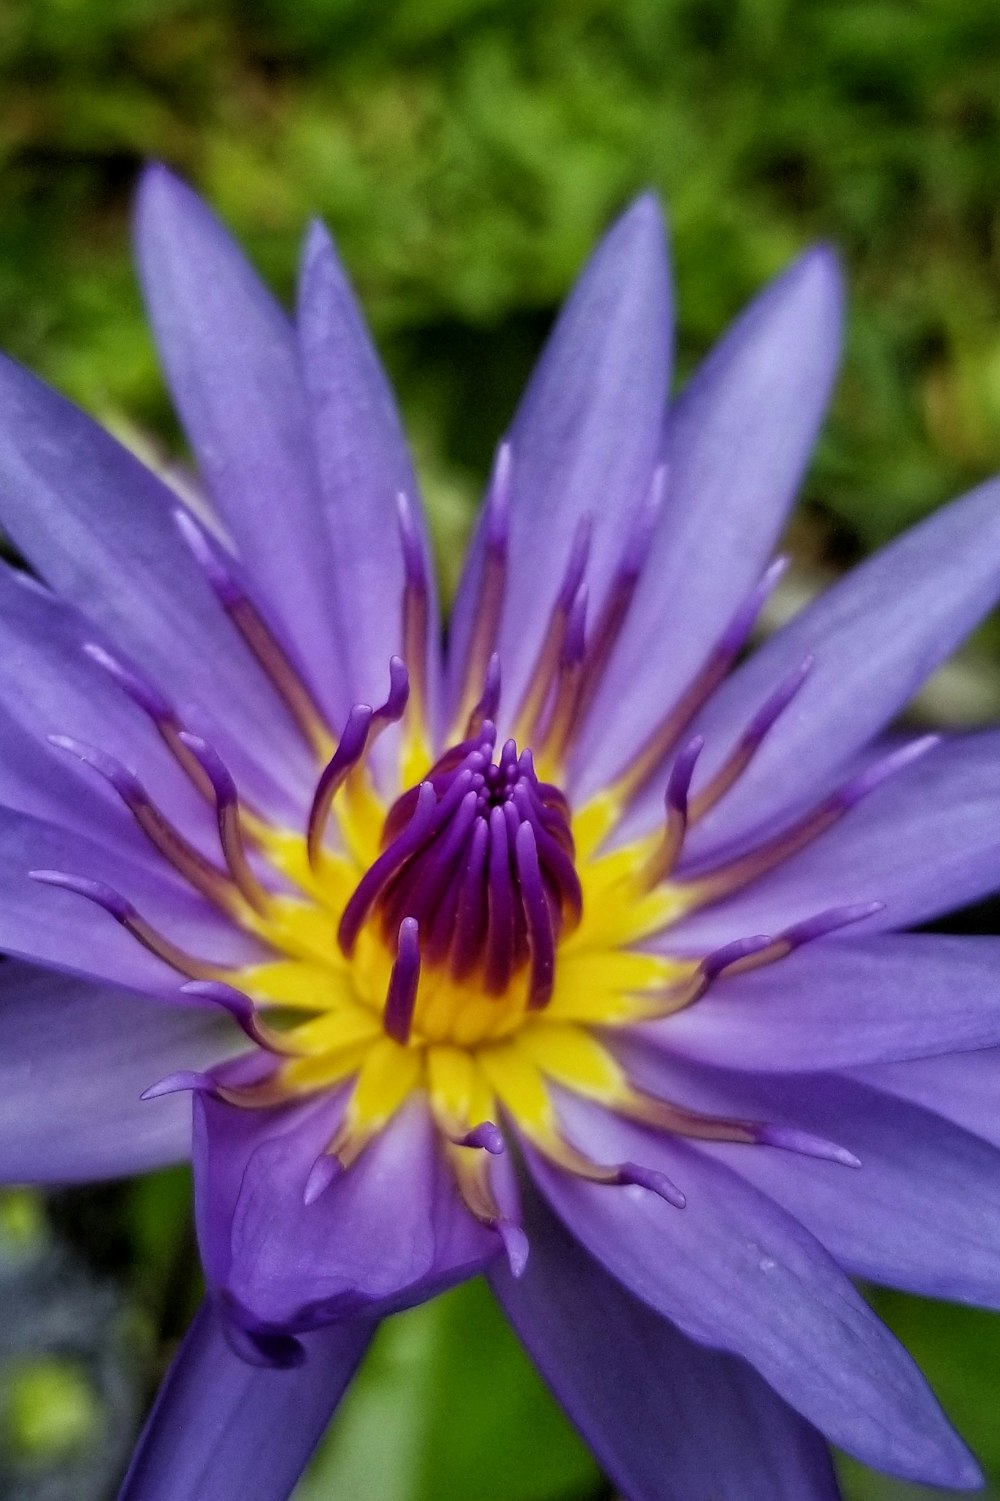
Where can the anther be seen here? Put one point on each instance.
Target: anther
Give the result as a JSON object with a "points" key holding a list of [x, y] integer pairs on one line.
{"points": [[227, 810], [401, 1000], [660, 864]]}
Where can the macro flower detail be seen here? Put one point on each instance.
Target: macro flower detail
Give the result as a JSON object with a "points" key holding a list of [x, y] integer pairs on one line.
{"points": [[575, 954]]}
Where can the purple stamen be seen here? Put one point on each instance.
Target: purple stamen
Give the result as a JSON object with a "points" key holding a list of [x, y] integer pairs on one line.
{"points": [[401, 1000], [750, 742], [151, 701], [502, 932], [655, 1182], [381, 871], [494, 578], [124, 913], [471, 914], [416, 597], [227, 810], [256, 633], [723, 879], [541, 934], [547, 662], [182, 855], [622, 591], [182, 1082], [485, 1137], [665, 857], [324, 1170], [703, 685], [349, 751], [243, 1012], [485, 710], [563, 713], [805, 1143]]}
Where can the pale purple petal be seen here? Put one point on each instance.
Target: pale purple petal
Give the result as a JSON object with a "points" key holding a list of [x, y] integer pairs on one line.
{"points": [[667, 1419], [735, 1271], [74, 1060], [387, 1233], [100, 529], [363, 468], [223, 1430], [841, 1003], [64, 929], [924, 842], [736, 445], [230, 356], [961, 1087], [922, 1211], [874, 638], [585, 439]]}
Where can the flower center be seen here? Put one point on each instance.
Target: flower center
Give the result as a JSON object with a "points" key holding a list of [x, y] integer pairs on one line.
{"points": [[478, 862]]}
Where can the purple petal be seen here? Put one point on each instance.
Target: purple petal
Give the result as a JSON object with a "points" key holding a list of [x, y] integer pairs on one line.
{"points": [[585, 438], [61, 928], [961, 1087], [874, 638], [50, 686], [74, 1059], [844, 1003], [229, 1431], [736, 445], [230, 357], [668, 1419], [385, 1233], [100, 529], [735, 1271], [364, 466], [924, 842], [923, 1210]]}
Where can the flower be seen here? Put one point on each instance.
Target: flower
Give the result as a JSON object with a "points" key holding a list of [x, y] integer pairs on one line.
{"points": [[593, 895]]}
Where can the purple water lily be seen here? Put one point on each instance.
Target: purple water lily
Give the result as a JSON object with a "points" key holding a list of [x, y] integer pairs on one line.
{"points": [[575, 958]]}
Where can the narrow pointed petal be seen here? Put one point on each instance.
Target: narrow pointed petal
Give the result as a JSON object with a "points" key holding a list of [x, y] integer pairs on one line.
{"points": [[737, 1272], [875, 1219], [736, 446], [100, 1048], [926, 841], [55, 927], [585, 438], [874, 637], [224, 1429], [363, 468], [845, 1003], [231, 360], [109, 544], [668, 1419], [386, 1233]]}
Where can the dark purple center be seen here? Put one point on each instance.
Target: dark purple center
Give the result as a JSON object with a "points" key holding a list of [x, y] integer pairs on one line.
{"points": [[480, 855]]}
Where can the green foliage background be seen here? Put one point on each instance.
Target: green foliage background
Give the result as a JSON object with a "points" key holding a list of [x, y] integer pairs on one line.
{"points": [[467, 153]]}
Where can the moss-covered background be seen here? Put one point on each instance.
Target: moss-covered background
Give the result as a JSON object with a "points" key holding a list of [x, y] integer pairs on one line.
{"points": [[466, 153]]}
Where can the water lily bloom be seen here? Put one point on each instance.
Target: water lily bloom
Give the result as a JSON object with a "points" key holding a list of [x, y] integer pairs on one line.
{"points": [[573, 955]]}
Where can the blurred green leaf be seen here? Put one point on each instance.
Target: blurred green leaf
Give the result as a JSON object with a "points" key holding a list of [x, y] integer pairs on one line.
{"points": [[448, 1408]]}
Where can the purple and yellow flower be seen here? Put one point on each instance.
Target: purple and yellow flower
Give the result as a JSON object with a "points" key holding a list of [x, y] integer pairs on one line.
{"points": [[572, 955]]}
